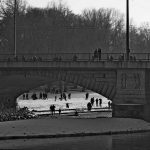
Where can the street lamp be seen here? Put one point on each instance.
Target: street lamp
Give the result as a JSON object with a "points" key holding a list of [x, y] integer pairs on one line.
{"points": [[127, 31], [15, 46]]}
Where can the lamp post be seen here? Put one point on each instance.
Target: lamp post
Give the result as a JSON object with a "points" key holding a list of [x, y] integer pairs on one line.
{"points": [[15, 46], [127, 31]]}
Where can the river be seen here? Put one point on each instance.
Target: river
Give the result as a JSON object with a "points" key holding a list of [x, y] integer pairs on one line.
{"points": [[115, 142]]}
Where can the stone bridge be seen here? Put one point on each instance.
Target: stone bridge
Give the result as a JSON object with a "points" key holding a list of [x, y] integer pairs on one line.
{"points": [[127, 84]]}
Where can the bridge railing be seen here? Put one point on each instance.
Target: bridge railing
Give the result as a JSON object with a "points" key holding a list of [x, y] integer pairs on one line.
{"points": [[74, 57]]}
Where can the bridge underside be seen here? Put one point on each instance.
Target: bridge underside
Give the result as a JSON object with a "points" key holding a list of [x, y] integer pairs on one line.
{"points": [[15, 82], [127, 88]]}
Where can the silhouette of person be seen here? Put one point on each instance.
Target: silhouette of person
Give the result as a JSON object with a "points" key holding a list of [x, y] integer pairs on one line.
{"points": [[100, 102], [99, 54], [55, 97], [67, 105], [23, 96], [97, 102], [92, 101], [59, 111], [40, 95], [86, 96], [64, 96], [51, 109], [89, 106], [27, 96], [95, 54], [69, 96], [75, 58], [54, 109], [109, 104]]}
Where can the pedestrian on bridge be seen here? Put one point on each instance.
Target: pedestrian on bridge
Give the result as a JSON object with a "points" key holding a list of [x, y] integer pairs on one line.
{"points": [[99, 54], [95, 54], [75, 58], [23, 58]]}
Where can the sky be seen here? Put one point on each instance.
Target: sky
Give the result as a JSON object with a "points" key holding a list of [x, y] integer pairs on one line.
{"points": [[139, 9]]}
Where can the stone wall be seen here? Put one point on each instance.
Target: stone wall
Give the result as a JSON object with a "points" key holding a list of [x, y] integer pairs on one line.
{"points": [[132, 96]]}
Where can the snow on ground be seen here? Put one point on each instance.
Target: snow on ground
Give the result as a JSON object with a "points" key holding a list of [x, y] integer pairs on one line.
{"points": [[77, 101]]}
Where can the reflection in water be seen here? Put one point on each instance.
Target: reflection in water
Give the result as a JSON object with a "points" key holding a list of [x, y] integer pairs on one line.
{"points": [[115, 142], [131, 142]]}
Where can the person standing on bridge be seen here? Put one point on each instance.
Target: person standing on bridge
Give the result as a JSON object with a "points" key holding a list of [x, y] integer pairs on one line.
{"points": [[75, 57], [99, 54], [95, 54]]}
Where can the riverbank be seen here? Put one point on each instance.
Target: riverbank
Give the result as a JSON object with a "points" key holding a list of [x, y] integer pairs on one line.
{"points": [[68, 126]]}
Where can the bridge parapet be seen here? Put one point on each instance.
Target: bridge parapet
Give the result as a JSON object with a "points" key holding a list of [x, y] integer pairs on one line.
{"points": [[78, 64], [75, 57]]}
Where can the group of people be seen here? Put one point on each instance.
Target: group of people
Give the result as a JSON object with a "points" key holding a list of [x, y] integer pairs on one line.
{"points": [[98, 101], [52, 109], [23, 58], [63, 96], [59, 58], [25, 96], [97, 54], [91, 103], [42, 95]]}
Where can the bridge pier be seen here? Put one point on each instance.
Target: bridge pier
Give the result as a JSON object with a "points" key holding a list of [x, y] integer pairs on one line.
{"points": [[132, 94]]}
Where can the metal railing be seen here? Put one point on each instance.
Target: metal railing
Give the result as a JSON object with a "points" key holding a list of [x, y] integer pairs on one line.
{"points": [[32, 57]]}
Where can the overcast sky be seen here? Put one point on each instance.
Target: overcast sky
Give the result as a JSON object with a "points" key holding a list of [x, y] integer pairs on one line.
{"points": [[139, 9]]}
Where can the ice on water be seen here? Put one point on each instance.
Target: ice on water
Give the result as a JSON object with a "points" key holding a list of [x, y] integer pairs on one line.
{"points": [[77, 101]]}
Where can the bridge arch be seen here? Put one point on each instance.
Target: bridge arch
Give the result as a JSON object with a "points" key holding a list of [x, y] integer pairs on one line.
{"points": [[16, 82]]}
